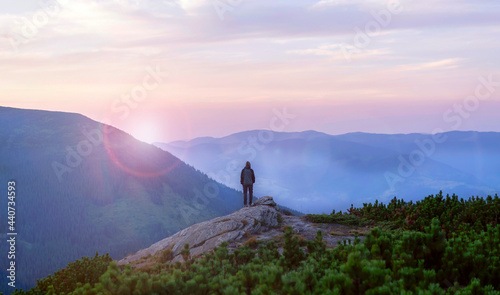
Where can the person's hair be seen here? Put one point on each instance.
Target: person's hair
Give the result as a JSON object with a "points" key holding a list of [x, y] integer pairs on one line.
{"points": [[248, 164]]}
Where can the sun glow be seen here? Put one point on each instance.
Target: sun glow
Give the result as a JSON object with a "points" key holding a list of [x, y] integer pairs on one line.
{"points": [[146, 132]]}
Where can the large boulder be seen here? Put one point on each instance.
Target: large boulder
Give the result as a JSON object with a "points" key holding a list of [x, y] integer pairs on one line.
{"points": [[265, 201], [204, 236]]}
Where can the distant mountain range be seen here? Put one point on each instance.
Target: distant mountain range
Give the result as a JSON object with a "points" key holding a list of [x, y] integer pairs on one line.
{"points": [[82, 187], [315, 172]]}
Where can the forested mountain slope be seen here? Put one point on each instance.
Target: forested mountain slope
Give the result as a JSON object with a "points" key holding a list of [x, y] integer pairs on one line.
{"points": [[82, 187]]}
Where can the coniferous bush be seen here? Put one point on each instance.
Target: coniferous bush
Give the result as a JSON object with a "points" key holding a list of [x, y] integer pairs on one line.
{"points": [[432, 255], [78, 273]]}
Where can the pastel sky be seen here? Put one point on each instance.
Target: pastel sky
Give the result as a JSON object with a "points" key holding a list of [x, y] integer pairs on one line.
{"points": [[177, 69]]}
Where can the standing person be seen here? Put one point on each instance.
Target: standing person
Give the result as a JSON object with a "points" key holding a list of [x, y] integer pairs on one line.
{"points": [[247, 180]]}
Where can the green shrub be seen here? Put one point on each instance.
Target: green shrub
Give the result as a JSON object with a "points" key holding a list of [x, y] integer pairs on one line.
{"points": [[438, 258], [76, 274]]}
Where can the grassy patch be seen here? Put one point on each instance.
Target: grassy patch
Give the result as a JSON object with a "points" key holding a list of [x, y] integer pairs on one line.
{"points": [[352, 221], [146, 267], [355, 232], [345, 219], [337, 233], [145, 257], [164, 255], [252, 242], [247, 234]]}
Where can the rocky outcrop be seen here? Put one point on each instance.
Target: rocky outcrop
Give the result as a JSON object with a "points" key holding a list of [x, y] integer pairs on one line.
{"points": [[265, 201], [204, 236], [263, 222]]}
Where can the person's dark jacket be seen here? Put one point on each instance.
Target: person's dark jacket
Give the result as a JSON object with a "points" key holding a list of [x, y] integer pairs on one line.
{"points": [[247, 176]]}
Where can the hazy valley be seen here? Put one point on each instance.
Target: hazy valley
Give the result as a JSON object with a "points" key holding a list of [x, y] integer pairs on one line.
{"points": [[315, 172]]}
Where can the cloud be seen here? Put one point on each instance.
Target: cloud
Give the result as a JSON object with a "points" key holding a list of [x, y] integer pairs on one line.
{"points": [[276, 50], [174, 23], [444, 64], [447, 7], [80, 26], [193, 4], [324, 4], [342, 52]]}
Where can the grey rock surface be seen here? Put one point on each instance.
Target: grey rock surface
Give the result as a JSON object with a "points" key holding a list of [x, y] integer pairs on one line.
{"points": [[265, 201], [204, 236], [263, 221]]}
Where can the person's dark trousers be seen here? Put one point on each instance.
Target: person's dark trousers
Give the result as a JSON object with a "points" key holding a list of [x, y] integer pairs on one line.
{"points": [[247, 187]]}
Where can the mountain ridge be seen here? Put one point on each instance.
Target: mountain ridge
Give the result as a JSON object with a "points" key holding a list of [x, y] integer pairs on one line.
{"points": [[304, 168], [83, 186]]}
